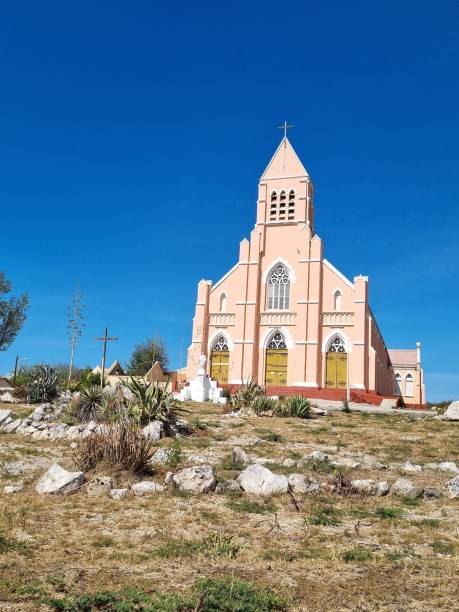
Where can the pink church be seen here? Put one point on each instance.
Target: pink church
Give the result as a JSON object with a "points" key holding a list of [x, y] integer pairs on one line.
{"points": [[287, 317]]}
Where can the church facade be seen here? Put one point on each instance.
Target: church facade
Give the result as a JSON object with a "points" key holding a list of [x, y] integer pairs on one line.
{"points": [[287, 317]]}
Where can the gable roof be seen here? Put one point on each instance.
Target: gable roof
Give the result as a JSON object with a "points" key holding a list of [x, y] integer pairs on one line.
{"points": [[403, 357], [285, 163]]}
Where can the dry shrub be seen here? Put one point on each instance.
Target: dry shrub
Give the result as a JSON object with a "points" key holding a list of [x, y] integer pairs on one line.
{"points": [[121, 445]]}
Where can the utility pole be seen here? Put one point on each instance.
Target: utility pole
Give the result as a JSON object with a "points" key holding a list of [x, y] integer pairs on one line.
{"points": [[104, 339], [15, 370], [75, 325]]}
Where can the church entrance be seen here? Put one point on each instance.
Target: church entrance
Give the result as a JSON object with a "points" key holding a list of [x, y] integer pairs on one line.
{"points": [[336, 365], [276, 362], [219, 361]]}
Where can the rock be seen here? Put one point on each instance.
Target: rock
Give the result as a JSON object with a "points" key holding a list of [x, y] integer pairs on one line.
{"points": [[29, 429], [4, 414], [430, 466], [72, 433], [405, 488], [452, 488], [7, 398], [370, 487], [168, 479], [146, 487], [452, 412], [240, 456], [181, 426], [198, 479], [58, 480], [161, 456], [318, 411], [317, 455], [346, 462], [40, 435], [369, 463], [227, 485], [91, 426], [408, 467], [299, 483], [38, 414], [13, 489], [154, 430], [264, 460], [259, 480], [287, 462], [448, 466], [57, 431], [100, 486], [118, 493], [12, 426], [432, 493]]}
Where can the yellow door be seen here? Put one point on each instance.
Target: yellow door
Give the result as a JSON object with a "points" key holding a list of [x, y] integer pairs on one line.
{"points": [[276, 367], [219, 363], [336, 370]]}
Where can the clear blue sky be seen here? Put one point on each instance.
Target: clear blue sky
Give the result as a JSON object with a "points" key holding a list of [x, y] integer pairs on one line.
{"points": [[133, 135]]}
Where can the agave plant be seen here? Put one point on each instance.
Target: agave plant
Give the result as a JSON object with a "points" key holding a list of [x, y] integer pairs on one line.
{"points": [[88, 404], [294, 406], [263, 404], [151, 402], [43, 385], [247, 394]]}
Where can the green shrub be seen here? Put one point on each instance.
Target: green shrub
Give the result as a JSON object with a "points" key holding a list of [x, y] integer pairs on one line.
{"points": [[263, 404], [389, 513], [326, 516], [88, 404], [176, 455], [247, 394], [442, 548], [248, 506], [357, 554], [43, 384], [294, 406], [151, 402], [217, 545]]}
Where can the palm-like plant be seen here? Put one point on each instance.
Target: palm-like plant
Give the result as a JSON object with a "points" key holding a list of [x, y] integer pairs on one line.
{"points": [[88, 404], [247, 394], [43, 384], [295, 406], [151, 402]]}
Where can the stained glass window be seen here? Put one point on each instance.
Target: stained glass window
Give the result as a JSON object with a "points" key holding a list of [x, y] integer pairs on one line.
{"points": [[220, 344], [336, 345], [277, 342], [279, 289]]}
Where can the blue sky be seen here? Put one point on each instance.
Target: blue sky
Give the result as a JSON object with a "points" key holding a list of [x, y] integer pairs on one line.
{"points": [[135, 133]]}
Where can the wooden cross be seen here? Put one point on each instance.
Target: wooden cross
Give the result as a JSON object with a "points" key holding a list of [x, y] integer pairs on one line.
{"points": [[105, 339], [285, 127]]}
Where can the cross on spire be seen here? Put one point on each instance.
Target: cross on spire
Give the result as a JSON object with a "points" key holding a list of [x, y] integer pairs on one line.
{"points": [[284, 127]]}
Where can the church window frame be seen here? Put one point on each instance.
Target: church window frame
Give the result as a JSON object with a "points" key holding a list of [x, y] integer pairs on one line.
{"points": [[277, 341], [336, 344], [291, 205], [337, 300], [220, 343], [278, 288], [273, 208], [409, 385], [223, 301], [398, 384]]}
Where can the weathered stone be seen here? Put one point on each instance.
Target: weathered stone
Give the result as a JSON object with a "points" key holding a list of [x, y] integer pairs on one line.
{"points": [[91, 426], [432, 493], [240, 456], [161, 456], [452, 412], [405, 488], [4, 414], [430, 466], [13, 489], [259, 480], [452, 488], [154, 430], [12, 426], [448, 466], [409, 467], [72, 433], [118, 493], [367, 462], [40, 434], [363, 486], [57, 431], [146, 487], [288, 462], [100, 486], [7, 398], [199, 479], [317, 455], [227, 485], [346, 462], [58, 480], [299, 483]]}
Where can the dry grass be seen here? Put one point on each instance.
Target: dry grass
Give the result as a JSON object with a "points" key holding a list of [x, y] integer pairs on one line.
{"points": [[335, 553]]}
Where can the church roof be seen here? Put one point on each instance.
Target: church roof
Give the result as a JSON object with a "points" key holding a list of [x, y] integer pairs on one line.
{"points": [[402, 357], [285, 163]]}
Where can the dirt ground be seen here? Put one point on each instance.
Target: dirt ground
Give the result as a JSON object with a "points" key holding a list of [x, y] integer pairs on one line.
{"points": [[321, 551]]}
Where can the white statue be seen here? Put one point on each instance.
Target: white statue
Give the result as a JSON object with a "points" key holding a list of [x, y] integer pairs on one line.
{"points": [[202, 360]]}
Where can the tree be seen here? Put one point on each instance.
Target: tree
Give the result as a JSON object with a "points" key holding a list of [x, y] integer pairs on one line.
{"points": [[145, 354], [13, 313], [75, 325]]}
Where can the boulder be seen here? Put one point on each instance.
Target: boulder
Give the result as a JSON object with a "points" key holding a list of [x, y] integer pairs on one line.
{"points": [[100, 486], [287, 462], [13, 489], [317, 455], [72, 433], [367, 462], [4, 415], [452, 412], [161, 456], [452, 488], [227, 485], [240, 456], [7, 397], [12, 426], [432, 493], [405, 488], [118, 493], [57, 431], [346, 462], [259, 480], [58, 480], [299, 483], [198, 479], [370, 487], [409, 467], [146, 487], [448, 466], [154, 430]]}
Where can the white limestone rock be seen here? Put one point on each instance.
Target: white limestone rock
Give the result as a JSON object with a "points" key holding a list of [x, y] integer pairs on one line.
{"points": [[118, 493], [370, 487], [405, 488], [432, 493], [452, 412], [8, 490], [452, 488], [288, 462], [240, 456], [146, 487], [4, 414], [161, 456], [198, 479], [72, 433], [58, 480], [259, 480], [12, 426], [346, 462], [57, 431], [227, 485], [448, 466], [154, 430], [409, 467], [367, 462], [7, 398], [99, 487], [299, 483]]}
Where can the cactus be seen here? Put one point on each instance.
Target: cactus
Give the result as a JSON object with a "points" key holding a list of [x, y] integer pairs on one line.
{"points": [[43, 385]]}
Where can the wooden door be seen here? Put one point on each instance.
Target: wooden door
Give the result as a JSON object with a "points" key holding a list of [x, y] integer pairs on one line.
{"points": [[219, 364], [336, 371], [276, 367]]}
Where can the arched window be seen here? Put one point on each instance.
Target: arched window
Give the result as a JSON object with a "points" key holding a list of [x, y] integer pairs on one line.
{"points": [[398, 384], [282, 205], [409, 385], [278, 289], [273, 209], [223, 302], [291, 205], [220, 344], [277, 341], [337, 300], [336, 345]]}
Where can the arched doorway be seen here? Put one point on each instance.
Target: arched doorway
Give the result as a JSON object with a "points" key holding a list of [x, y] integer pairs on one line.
{"points": [[276, 361], [336, 364], [219, 360]]}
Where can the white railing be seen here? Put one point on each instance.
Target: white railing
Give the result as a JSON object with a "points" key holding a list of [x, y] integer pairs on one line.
{"points": [[221, 319], [277, 318], [337, 318]]}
